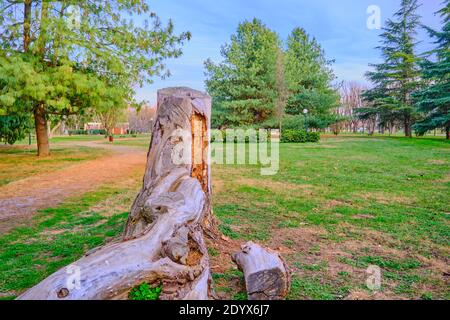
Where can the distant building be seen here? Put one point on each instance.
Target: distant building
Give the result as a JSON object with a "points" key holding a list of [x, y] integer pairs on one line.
{"points": [[122, 128]]}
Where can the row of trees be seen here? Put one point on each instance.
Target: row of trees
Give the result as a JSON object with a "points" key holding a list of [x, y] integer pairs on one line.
{"points": [[60, 58], [411, 90], [265, 82]]}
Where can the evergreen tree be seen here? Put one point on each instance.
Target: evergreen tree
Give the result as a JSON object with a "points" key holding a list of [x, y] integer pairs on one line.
{"points": [[309, 76], [61, 57], [14, 127], [398, 76], [244, 84], [434, 100]]}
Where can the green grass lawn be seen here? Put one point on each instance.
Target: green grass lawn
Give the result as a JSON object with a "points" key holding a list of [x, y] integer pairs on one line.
{"points": [[61, 235], [344, 204], [142, 140], [83, 138], [333, 209]]}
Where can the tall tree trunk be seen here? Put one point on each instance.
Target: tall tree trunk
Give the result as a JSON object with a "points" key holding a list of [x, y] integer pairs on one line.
{"points": [[26, 25], [407, 124], [41, 43], [41, 131], [447, 132]]}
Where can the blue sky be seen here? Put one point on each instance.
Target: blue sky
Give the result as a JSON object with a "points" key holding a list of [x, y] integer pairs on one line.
{"points": [[339, 25]]}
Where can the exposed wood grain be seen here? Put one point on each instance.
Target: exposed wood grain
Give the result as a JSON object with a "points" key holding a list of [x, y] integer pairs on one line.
{"points": [[266, 274]]}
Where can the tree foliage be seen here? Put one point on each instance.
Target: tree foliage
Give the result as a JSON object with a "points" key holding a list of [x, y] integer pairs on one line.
{"points": [[260, 84], [61, 57], [14, 127], [309, 76], [243, 85], [434, 100], [398, 76]]}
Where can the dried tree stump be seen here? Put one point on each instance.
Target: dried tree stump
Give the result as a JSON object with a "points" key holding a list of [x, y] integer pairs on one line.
{"points": [[266, 275], [163, 240]]}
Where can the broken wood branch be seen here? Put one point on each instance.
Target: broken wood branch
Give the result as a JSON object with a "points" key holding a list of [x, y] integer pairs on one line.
{"points": [[265, 272]]}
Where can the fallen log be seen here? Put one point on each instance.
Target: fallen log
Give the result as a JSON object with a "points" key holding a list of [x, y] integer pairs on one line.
{"points": [[163, 240], [266, 274]]}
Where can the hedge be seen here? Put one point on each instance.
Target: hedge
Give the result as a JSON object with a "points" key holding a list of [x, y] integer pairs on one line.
{"points": [[246, 138], [90, 132], [97, 131], [299, 136], [77, 132]]}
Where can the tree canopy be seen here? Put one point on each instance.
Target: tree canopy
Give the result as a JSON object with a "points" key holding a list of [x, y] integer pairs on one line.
{"points": [[434, 100], [60, 57], [309, 76], [14, 127], [398, 76], [259, 83], [243, 85]]}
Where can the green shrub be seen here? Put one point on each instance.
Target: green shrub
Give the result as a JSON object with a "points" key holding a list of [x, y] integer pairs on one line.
{"points": [[240, 296], [144, 292], [14, 127], [97, 132], [299, 136], [77, 132], [313, 136], [246, 138]]}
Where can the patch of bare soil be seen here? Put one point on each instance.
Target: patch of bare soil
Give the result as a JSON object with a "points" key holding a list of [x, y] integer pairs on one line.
{"points": [[337, 203], [278, 186], [437, 162], [364, 295], [445, 179], [21, 199], [386, 198], [226, 246], [221, 262]]}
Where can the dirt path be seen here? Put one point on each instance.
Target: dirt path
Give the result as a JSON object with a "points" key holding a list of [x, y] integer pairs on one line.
{"points": [[21, 199]]}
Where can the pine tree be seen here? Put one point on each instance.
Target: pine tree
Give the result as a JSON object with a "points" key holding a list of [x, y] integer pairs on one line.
{"points": [[434, 100], [14, 127], [309, 76], [58, 58], [398, 76], [244, 84]]}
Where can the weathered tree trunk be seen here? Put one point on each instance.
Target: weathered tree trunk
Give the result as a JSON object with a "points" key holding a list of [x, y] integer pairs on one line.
{"points": [[41, 132], [447, 132], [163, 241], [266, 274]]}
